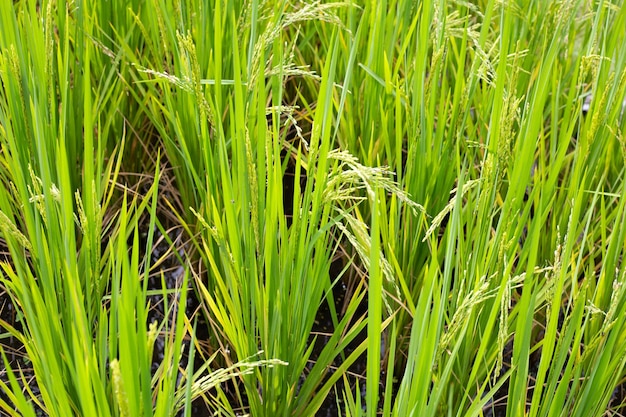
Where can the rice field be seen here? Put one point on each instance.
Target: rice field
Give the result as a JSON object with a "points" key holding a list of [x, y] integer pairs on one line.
{"points": [[312, 208]]}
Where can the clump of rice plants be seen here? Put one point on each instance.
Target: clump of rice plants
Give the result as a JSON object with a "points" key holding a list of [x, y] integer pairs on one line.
{"points": [[371, 208]]}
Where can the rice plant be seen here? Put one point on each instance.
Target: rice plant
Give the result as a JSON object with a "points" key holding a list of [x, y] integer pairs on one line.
{"points": [[372, 208]]}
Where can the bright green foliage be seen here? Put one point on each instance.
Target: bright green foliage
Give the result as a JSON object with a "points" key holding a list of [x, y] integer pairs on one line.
{"points": [[464, 160]]}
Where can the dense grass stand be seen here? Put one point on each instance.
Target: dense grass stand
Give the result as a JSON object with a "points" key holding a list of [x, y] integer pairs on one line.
{"points": [[300, 208]]}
